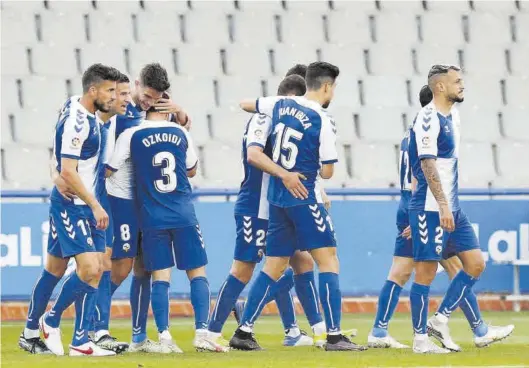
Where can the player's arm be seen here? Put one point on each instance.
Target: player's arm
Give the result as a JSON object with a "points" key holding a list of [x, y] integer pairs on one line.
{"points": [[426, 132], [167, 106], [191, 156], [413, 183], [59, 182], [121, 152], [328, 152], [262, 105]]}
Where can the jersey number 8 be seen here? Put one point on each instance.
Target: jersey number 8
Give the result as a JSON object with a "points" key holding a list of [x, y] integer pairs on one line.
{"points": [[168, 163], [283, 141]]}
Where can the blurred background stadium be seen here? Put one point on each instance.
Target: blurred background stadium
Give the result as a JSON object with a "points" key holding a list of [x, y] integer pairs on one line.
{"points": [[218, 52]]}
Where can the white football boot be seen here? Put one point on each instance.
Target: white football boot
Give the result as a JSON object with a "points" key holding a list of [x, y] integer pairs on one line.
{"points": [[149, 346], [204, 342], [52, 337], [166, 339], [423, 345], [439, 330], [384, 342], [494, 334], [90, 349]]}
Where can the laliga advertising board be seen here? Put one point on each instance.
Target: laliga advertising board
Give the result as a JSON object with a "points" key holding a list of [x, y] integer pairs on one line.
{"points": [[365, 231]]}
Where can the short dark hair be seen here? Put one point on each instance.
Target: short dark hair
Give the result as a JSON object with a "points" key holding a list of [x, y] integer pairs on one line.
{"points": [[155, 76], [425, 95], [98, 73], [320, 72], [292, 85], [123, 78], [298, 69], [442, 69]]}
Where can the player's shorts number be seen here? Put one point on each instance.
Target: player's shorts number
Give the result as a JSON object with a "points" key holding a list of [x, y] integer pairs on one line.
{"points": [[125, 232], [81, 224], [166, 159], [283, 141], [260, 242], [438, 235]]}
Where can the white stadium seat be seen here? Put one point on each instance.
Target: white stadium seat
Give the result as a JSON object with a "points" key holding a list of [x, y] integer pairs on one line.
{"points": [[33, 96], [522, 28], [305, 5], [200, 127], [80, 7], [346, 93], [485, 61], [108, 55], [449, 7], [382, 125], [233, 89], [18, 28], [397, 29], [54, 25], [227, 175], [19, 158], [349, 58], [6, 137], [103, 26], [248, 61], [450, 24], [476, 165], [400, 64], [516, 123], [256, 28], [206, 28], [228, 126], [14, 60], [497, 25], [387, 91], [302, 28], [160, 27], [482, 92], [374, 165], [36, 127], [198, 60], [54, 60], [227, 6], [519, 60], [127, 6], [517, 91], [10, 101], [261, 6], [428, 55], [32, 6], [479, 124], [349, 27], [195, 94], [511, 159], [286, 56], [343, 117], [168, 7], [495, 6], [409, 6], [359, 7], [342, 168], [141, 55]]}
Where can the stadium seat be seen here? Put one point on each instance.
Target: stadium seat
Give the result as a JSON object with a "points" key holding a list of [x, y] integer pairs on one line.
{"points": [[517, 91], [341, 169], [285, 56], [271, 85], [501, 7], [349, 58], [103, 26], [208, 64], [515, 123], [233, 89], [415, 85], [449, 7], [497, 25], [18, 28], [522, 28], [401, 60], [196, 94], [53, 60], [108, 55], [321, 7], [14, 60], [346, 93], [10, 95], [476, 165], [387, 91], [479, 124], [430, 55], [140, 55], [35, 127], [248, 61], [261, 6], [485, 61], [374, 165], [359, 7], [54, 25], [168, 7], [200, 131], [160, 28], [344, 118], [266, 35], [117, 7], [301, 28], [213, 6], [23, 6], [482, 92], [227, 175], [397, 29], [79, 7], [43, 92], [382, 125], [410, 6], [206, 28], [451, 25], [228, 125], [7, 122], [519, 56], [512, 159], [19, 158], [349, 27]]}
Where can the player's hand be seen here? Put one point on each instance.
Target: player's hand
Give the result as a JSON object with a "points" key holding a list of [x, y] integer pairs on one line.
{"points": [[326, 200], [447, 219], [406, 233], [63, 188], [101, 217], [292, 181], [167, 106]]}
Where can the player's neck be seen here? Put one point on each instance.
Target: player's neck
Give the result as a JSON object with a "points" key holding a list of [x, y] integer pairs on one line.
{"points": [[105, 116], [443, 105], [314, 96], [88, 104]]}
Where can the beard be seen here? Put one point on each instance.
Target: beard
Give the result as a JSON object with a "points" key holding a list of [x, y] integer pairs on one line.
{"points": [[457, 99], [101, 106], [326, 104]]}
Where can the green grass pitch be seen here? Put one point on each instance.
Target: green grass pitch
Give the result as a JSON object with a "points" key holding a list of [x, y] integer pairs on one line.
{"points": [[512, 352]]}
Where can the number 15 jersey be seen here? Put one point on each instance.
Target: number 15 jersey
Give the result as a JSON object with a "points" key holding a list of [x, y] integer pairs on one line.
{"points": [[303, 138], [161, 153]]}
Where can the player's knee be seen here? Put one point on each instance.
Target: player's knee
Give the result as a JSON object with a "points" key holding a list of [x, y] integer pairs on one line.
{"points": [[56, 266], [400, 277], [327, 259], [195, 272], [476, 267], [242, 271], [120, 271], [275, 266], [302, 262], [90, 270], [425, 272]]}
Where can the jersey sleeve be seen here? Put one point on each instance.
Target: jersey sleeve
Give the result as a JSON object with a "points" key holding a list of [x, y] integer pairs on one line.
{"points": [[426, 130], [265, 105], [121, 151], [75, 132], [191, 153], [259, 129], [328, 152], [111, 140]]}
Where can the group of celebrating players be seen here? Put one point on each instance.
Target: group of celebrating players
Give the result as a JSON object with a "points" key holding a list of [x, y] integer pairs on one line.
{"points": [[122, 202]]}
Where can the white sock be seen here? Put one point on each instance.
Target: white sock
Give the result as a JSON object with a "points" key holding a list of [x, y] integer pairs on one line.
{"points": [[100, 334], [165, 335], [293, 332], [214, 335], [202, 332], [421, 337], [319, 328], [246, 329], [441, 318], [31, 334]]}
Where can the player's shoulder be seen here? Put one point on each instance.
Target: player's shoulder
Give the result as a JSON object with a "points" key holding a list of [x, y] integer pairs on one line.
{"points": [[77, 114], [426, 117], [259, 119]]}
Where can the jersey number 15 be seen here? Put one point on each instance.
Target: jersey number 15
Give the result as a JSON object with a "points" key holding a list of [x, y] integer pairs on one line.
{"points": [[284, 136]]}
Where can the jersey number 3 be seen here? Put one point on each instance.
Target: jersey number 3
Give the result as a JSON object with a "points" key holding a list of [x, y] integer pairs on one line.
{"points": [[284, 135], [168, 163]]}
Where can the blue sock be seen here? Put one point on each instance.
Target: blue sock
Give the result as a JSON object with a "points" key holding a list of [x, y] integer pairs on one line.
{"points": [[308, 296], [72, 287], [256, 299], [113, 288], [201, 301], [457, 290], [87, 303], [331, 300], [419, 299], [140, 297], [283, 285], [103, 303], [285, 305], [387, 302], [470, 308], [228, 294], [40, 297], [160, 304]]}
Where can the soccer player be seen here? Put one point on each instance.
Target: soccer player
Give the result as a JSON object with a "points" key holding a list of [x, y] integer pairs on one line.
{"points": [[163, 158], [251, 217], [303, 138], [438, 225], [77, 225], [402, 268]]}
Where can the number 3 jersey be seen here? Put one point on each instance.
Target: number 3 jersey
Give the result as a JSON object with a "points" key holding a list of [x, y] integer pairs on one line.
{"points": [[303, 138], [161, 153]]}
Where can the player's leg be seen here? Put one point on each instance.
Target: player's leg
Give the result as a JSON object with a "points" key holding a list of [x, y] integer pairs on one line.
{"points": [[428, 240]]}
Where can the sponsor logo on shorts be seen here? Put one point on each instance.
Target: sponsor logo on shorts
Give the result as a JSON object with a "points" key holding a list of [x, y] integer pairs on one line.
{"points": [[126, 247], [90, 241]]}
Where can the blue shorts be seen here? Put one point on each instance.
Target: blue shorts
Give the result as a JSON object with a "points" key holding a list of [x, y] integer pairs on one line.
{"points": [[109, 232], [303, 227], [165, 248], [126, 228], [251, 237], [403, 246], [73, 231], [431, 243]]}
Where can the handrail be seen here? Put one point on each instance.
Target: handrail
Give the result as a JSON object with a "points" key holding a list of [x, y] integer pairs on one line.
{"points": [[210, 192]]}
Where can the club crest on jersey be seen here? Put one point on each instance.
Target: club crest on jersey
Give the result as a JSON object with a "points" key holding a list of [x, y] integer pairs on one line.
{"points": [[76, 142]]}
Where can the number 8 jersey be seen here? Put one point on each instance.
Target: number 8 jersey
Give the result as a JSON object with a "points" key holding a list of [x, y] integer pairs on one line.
{"points": [[303, 137], [161, 153]]}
